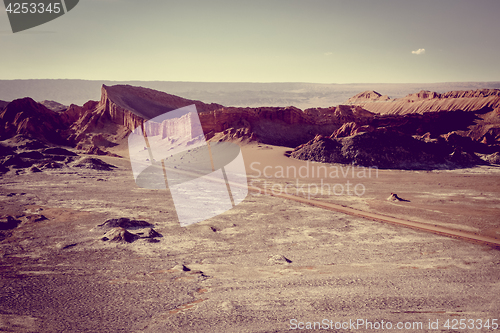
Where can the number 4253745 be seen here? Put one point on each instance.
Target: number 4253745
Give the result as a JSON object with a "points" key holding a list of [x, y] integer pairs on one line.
{"points": [[33, 7]]}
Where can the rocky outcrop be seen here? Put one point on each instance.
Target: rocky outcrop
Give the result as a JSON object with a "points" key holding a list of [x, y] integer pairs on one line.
{"points": [[119, 235], [466, 121], [31, 119], [75, 112], [123, 108], [35, 160], [3, 104], [54, 106], [118, 230], [93, 163], [124, 222], [427, 101], [385, 149], [351, 128], [474, 113], [367, 97], [394, 197]]}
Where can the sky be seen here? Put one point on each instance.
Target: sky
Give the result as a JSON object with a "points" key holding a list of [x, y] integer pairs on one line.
{"points": [[318, 41]]}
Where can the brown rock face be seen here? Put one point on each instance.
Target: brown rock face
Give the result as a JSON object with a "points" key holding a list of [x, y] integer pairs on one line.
{"points": [[351, 128], [427, 101], [119, 235], [385, 149], [31, 119], [123, 108], [74, 112], [474, 114]]}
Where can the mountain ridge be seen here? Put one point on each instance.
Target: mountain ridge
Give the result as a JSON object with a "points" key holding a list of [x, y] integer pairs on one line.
{"points": [[463, 123], [239, 94]]}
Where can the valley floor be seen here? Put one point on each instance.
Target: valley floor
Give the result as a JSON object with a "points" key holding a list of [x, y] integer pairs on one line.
{"points": [[266, 265]]}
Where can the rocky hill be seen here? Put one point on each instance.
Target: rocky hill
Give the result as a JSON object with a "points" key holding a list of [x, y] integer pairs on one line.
{"points": [[427, 101], [31, 119], [368, 96], [422, 130], [123, 108], [53, 105], [3, 104], [473, 113], [386, 148]]}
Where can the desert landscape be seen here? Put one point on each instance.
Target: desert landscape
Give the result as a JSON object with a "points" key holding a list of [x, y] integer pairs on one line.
{"points": [[379, 213]]}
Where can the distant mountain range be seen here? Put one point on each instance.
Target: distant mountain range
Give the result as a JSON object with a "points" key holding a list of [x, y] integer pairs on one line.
{"points": [[300, 95]]}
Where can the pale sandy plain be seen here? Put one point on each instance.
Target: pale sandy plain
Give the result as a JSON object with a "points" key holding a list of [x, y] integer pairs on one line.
{"points": [[255, 267]]}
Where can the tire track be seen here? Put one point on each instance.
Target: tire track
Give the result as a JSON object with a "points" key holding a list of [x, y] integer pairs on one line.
{"points": [[433, 228]]}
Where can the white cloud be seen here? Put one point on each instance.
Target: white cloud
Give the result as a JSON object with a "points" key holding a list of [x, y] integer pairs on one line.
{"points": [[328, 53], [419, 51]]}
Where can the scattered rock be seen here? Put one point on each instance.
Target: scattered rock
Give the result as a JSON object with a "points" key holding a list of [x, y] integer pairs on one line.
{"points": [[395, 197], [153, 240], [153, 233], [126, 223], [34, 218], [33, 154], [31, 144], [181, 268], [493, 158], [5, 150], [17, 162], [279, 260], [50, 165], [120, 235], [95, 150], [93, 163], [464, 159], [8, 222], [34, 169]]}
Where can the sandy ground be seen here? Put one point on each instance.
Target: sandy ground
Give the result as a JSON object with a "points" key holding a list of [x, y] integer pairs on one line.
{"points": [[266, 265], [465, 199]]}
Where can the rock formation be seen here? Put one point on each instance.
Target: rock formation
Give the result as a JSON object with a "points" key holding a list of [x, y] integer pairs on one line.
{"points": [[31, 119], [387, 149], [54, 106], [367, 97], [3, 104], [117, 230], [427, 101], [123, 108], [396, 198], [464, 122], [93, 163]]}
